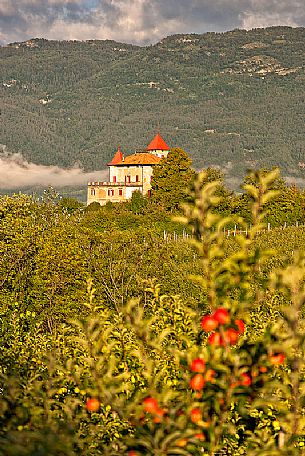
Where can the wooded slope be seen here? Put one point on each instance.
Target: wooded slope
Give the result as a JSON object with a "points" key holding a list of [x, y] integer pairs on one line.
{"points": [[232, 99]]}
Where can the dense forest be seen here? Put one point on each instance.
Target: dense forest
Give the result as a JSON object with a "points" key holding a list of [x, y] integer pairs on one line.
{"points": [[119, 340], [233, 100]]}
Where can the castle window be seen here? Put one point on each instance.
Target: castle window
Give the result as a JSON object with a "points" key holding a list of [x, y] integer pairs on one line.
{"points": [[127, 179], [93, 192], [120, 192], [110, 192], [137, 178], [114, 178]]}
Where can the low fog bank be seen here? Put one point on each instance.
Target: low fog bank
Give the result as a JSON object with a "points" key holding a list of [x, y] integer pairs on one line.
{"points": [[17, 173]]}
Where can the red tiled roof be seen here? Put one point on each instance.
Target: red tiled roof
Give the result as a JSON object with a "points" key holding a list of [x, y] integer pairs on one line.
{"points": [[158, 143], [140, 158], [118, 157]]}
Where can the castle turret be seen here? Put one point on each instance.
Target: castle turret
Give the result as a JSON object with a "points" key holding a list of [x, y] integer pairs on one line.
{"points": [[118, 157], [158, 146]]}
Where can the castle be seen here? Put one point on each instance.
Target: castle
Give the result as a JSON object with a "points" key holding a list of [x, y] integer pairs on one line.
{"points": [[128, 174]]}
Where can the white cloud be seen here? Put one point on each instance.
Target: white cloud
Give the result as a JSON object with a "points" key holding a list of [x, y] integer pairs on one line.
{"points": [[16, 172], [262, 13], [256, 20], [139, 21]]}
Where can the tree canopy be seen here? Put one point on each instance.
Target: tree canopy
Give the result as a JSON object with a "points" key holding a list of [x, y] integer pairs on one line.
{"points": [[171, 178]]}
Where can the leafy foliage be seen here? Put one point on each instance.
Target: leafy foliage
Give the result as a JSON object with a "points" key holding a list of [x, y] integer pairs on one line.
{"points": [[171, 178], [98, 358]]}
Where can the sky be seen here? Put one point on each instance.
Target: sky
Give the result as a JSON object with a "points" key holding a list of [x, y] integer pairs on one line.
{"points": [[139, 21]]}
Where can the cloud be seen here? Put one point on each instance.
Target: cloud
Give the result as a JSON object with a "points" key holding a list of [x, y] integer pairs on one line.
{"points": [[16, 172], [261, 13], [139, 21]]}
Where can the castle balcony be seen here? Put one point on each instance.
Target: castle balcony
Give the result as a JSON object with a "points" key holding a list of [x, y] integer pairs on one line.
{"points": [[115, 184]]}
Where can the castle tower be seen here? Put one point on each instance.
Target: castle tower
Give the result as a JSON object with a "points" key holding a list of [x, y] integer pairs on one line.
{"points": [[158, 146]]}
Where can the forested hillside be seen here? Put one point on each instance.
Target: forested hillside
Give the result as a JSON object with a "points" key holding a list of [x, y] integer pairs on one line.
{"points": [[232, 99]]}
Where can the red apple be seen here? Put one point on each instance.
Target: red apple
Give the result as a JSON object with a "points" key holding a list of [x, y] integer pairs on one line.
{"points": [[200, 436], [93, 404], [150, 404], [208, 323], [159, 413], [197, 365], [278, 358], [222, 316], [215, 339], [230, 336], [196, 415], [197, 382], [241, 326], [246, 379]]}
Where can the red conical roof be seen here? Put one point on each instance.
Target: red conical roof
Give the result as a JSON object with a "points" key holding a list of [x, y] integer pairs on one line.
{"points": [[158, 143], [118, 157]]}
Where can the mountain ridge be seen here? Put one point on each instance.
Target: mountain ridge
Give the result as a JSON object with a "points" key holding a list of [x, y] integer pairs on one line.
{"points": [[234, 99]]}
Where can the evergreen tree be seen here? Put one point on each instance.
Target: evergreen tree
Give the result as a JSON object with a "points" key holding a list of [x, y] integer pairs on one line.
{"points": [[171, 178]]}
